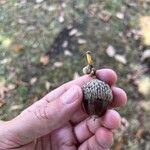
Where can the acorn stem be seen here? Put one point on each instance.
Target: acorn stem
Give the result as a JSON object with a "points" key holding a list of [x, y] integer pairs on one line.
{"points": [[89, 69], [89, 58]]}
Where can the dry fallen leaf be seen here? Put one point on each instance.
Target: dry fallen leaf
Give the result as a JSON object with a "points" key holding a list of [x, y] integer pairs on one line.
{"points": [[16, 107], [33, 80], [145, 29], [30, 28], [120, 15], [11, 86], [105, 15], [44, 59], [22, 21], [110, 51], [145, 105], [92, 9], [2, 2], [139, 133], [65, 44], [73, 32], [124, 124], [2, 102], [119, 144], [81, 41], [51, 7], [78, 34], [5, 42], [47, 85], [5, 89], [2, 93], [67, 53], [58, 64], [76, 75], [39, 1], [61, 19], [2, 81], [143, 1], [144, 85], [22, 2], [17, 48], [5, 61], [120, 58], [145, 55]]}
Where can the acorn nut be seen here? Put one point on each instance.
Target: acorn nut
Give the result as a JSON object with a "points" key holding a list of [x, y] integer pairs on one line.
{"points": [[97, 95]]}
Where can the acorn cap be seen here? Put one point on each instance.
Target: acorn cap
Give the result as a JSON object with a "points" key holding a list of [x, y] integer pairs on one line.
{"points": [[97, 95]]}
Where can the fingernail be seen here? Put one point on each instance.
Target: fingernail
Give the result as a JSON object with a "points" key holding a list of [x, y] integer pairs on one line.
{"points": [[71, 95]]}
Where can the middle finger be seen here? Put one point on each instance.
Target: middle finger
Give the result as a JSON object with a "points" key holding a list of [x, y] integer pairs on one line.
{"points": [[119, 99], [87, 128]]}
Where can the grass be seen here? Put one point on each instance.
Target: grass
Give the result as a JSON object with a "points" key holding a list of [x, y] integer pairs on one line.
{"points": [[28, 31]]}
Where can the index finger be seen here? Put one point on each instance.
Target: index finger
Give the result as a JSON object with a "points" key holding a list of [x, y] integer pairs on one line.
{"points": [[107, 75]]}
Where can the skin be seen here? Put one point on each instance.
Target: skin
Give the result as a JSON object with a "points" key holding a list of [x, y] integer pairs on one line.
{"points": [[58, 121]]}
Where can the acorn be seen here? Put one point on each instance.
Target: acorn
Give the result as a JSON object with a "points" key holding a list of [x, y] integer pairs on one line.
{"points": [[97, 94]]}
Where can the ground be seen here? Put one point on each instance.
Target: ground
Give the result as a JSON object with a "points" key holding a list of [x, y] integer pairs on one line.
{"points": [[43, 44]]}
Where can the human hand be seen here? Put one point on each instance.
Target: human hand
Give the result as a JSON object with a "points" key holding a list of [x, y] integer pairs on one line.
{"points": [[58, 121]]}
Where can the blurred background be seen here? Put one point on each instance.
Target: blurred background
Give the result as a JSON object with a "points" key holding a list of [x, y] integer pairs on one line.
{"points": [[43, 45]]}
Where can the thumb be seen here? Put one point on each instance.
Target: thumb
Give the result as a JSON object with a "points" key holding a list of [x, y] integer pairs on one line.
{"points": [[31, 124]]}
